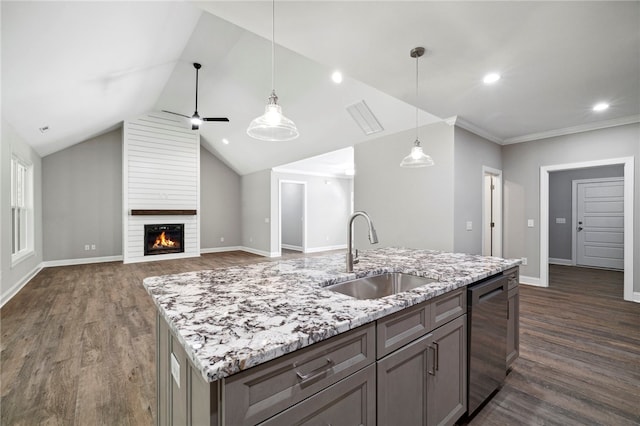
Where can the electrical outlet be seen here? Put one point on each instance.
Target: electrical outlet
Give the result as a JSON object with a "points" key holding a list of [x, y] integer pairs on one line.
{"points": [[222, 239], [86, 247], [530, 223], [93, 246], [469, 226], [524, 260], [250, 239]]}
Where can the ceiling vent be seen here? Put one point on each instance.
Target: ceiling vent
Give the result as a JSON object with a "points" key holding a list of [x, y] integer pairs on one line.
{"points": [[363, 116]]}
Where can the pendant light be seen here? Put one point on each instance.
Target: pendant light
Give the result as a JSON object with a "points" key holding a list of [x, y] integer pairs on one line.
{"points": [[417, 158], [273, 125]]}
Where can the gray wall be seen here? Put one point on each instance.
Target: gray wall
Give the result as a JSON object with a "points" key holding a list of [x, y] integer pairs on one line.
{"points": [[328, 208], [292, 213], [521, 171], [409, 207], [256, 208], [14, 276], [220, 203], [560, 205], [82, 199], [471, 152]]}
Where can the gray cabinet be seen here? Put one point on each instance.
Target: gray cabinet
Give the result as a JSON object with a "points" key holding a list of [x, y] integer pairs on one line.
{"points": [[258, 393], [424, 382], [350, 402], [513, 317]]}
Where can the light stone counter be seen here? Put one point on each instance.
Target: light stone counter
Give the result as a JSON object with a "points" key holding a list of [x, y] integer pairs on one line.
{"points": [[234, 318]]}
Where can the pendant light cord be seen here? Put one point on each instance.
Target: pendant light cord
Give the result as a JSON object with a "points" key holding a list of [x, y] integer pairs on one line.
{"points": [[273, 45], [417, 58]]}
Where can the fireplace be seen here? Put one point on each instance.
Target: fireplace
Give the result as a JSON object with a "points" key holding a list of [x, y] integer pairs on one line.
{"points": [[163, 239]]}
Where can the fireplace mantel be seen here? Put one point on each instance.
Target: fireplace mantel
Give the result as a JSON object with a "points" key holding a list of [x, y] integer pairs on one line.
{"points": [[158, 212]]}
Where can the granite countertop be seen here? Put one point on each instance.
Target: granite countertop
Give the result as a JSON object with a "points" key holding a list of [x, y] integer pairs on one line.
{"points": [[234, 318]]}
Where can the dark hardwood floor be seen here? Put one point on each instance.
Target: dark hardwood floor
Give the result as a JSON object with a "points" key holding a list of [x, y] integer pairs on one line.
{"points": [[78, 348]]}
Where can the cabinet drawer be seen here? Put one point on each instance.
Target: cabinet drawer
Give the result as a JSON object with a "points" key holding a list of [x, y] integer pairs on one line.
{"points": [[256, 394], [396, 330], [448, 306], [349, 402], [513, 277]]}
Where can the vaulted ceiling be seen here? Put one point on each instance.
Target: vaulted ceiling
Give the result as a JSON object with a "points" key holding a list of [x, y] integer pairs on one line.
{"points": [[81, 68]]}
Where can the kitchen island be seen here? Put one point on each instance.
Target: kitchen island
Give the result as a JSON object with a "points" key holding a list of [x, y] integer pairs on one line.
{"points": [[214, 326]]}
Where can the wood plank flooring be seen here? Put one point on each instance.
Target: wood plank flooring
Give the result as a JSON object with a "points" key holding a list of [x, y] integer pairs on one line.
{"points": [[78, 347]]}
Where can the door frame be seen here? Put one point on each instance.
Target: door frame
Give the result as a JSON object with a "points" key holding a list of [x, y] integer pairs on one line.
{"points": [[486, 170], [628, 163], [304, 213], [574, 210]]}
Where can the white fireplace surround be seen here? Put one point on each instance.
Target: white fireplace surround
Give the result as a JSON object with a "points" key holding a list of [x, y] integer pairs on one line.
{"points": [[161, 171]]}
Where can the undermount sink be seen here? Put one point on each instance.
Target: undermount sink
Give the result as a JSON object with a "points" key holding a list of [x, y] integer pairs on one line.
{"points": [[379, 286]]}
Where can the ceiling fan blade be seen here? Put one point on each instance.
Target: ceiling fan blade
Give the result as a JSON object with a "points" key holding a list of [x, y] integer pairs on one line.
{"points": [[175, 113], [214, 119]]}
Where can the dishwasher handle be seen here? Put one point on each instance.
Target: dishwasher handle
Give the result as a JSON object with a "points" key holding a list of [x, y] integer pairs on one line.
{"points": [[488, 289]]}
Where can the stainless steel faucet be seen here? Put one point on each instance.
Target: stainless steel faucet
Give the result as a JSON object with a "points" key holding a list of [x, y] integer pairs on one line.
{"points": [[373, 238]]}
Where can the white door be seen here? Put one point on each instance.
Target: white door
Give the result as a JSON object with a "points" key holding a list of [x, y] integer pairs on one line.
{"points": [[600, 223], [492, 213]]}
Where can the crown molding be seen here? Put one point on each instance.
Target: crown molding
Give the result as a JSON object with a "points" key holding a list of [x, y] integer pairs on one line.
{"points": [[574, 129], [461, 122]]}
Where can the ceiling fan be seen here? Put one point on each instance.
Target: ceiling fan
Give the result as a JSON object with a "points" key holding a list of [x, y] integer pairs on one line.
{"points": [[196, 120]]}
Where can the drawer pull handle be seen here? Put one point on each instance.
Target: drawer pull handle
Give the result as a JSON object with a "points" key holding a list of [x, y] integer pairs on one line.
{"points": [[437, 355], [312, 375], [432, 371]]}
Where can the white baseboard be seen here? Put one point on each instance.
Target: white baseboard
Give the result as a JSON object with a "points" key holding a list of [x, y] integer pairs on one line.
{"points": [[291, 247], [259, 252], [530, 281], [326, 248], [220, 249], [18, 285], [81, 261], [636, 297], [557, 261]]}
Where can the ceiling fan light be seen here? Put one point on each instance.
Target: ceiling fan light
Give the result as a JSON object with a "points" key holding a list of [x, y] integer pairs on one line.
{"points": [[195, 120]]}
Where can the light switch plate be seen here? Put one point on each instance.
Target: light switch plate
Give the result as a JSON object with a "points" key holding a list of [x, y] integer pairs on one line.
{"points": [[561, 220], [469, 226], [175, 369]]}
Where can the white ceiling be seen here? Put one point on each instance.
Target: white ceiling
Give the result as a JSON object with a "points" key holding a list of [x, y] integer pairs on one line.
{"points": [[82, 67]]}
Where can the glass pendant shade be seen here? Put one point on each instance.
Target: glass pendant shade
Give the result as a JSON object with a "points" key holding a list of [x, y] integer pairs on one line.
{"points": [[272, 125], [417, 158]]}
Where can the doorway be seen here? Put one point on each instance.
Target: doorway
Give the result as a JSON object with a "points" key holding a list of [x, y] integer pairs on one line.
{"points": [[293, 215], [628, 206], [491, 212]]}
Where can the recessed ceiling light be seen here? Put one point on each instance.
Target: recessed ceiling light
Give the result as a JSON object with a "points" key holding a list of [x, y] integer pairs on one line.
{"points": [[600, 106], [336, 77], [225, 141], [491, 78]]}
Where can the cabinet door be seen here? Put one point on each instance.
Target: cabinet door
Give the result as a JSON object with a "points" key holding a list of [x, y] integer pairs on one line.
{"points": [[402, 385], [350, 402], [513, 326], [447, 376]]}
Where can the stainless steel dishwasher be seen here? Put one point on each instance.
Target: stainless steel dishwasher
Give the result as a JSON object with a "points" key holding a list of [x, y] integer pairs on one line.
{"points": [[487, 316]]}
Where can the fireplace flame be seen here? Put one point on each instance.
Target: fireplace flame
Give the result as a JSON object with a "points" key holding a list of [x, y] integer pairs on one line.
{"points": [[163, 241]]}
